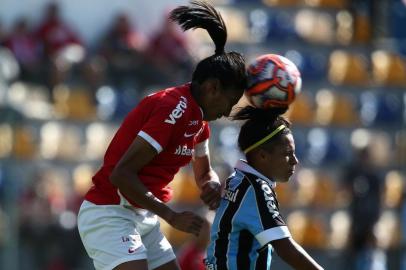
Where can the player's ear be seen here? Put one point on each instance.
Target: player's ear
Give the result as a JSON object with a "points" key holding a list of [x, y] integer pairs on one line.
{"points": [[262, 154], [212, 87]]}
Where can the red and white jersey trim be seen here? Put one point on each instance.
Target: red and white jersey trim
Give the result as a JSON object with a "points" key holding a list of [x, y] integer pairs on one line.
{"points": [[151, 141]]}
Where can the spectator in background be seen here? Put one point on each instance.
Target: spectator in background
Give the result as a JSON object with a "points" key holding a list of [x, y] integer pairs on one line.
{"points": [[44, 205], [365, 188], [24, 46], [168, 51], [55, 34], [123, 48], [61, 46]]}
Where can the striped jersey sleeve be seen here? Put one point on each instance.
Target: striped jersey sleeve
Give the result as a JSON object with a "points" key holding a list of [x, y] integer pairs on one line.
{"points": [[259, 213]]}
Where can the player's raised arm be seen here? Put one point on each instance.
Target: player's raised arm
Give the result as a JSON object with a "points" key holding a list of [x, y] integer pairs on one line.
{"points": [[294, 255], [125, 178]]}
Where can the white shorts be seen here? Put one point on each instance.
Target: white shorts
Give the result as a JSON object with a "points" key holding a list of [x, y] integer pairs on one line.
{"points": [[114, 234]]}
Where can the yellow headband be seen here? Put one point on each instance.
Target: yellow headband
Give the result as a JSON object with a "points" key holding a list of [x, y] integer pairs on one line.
{"points": [[258, 143]]}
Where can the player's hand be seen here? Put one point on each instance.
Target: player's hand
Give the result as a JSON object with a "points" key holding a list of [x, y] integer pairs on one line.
{"points": [[186, 221], [211, 194]]}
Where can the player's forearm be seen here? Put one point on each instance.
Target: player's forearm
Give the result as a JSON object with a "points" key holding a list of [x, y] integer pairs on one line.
{"points": [[208, 176], [301, 260], [293, 254], [130, 186], [203, 171], [304, 262]]}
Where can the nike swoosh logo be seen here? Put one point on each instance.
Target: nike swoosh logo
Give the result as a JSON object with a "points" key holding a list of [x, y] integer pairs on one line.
{"points": [[189, 135], [132, 250]]}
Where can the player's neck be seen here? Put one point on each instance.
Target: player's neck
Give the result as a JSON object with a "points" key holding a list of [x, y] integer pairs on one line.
{"points": [[196, 93]]}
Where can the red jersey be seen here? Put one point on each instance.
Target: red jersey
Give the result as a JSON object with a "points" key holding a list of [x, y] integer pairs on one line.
{"points": [[172, 122]]}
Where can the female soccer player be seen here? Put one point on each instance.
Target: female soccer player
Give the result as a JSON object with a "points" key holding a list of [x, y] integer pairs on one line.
{"points": [[118, 221], [248, 225]]}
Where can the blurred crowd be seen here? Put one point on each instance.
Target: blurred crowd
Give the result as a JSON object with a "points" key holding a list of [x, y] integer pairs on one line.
{"points": [[52, 53], [62, 99]]}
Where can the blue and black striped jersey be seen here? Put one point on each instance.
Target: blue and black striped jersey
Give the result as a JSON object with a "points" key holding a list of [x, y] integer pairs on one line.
{"points": [[246, 221]]}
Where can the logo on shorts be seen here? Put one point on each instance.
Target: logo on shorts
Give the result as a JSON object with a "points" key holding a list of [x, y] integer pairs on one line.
{"points": [[132, 249], [134, 242]]}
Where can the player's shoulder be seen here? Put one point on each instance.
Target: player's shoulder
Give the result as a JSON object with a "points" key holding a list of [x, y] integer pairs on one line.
{"points": [[176, 99], [171, 95], [258, 184], [250, 178]]}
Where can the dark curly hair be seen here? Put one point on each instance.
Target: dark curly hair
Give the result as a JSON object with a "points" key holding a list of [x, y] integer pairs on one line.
{"points": [[227, 67], [259, 124]]}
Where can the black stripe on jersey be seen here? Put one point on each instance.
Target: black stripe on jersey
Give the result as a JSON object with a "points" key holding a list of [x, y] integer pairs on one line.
{"points": [[262, 259], [221, 245], [245, 241], [266, 216]]}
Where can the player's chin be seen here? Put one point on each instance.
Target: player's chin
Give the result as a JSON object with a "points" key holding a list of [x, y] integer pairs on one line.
{"points": [[287, 177], [284, 179]]}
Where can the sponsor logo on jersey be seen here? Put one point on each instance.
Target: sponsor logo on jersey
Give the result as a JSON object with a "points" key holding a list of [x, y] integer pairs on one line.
{"points": [[177, 112], [230, 195], [184, 151], [269, 198], [208, 265], [193, 122]]}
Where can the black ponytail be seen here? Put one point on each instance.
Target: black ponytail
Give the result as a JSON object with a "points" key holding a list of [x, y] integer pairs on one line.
{"points": [[202, 15], [259, 123], [227, 67]]}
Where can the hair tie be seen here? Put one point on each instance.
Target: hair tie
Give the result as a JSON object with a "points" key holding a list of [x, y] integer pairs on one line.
{"points": [[219, 51], [266, 138]]}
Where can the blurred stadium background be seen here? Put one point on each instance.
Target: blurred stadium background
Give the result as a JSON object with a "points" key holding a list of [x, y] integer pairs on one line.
{"points": [[65, 87]]}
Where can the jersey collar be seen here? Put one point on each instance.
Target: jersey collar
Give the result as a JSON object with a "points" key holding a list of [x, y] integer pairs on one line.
{"points": [[242, 165]]}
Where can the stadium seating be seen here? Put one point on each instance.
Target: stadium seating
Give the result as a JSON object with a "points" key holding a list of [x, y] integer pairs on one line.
{"points": [[24, 146], [388, 68], [6, 140], [333, 108], [312, 64], [337, 4], [75, 104], [400, 148], [380, 109], [301, 111], [397, 19], [394, 186], [340, 223], [348, 68]]}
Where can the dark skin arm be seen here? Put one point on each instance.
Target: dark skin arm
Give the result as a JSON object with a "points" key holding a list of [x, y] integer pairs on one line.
{"points": [[208, 182], [294, 255], [125, 178]]}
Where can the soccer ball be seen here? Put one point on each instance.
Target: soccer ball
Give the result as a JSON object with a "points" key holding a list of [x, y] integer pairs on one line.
{"points": [[273, 81]]}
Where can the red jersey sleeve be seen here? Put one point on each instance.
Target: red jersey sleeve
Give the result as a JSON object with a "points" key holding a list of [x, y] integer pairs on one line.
{"points": [[163, 119], [204, 134]]}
